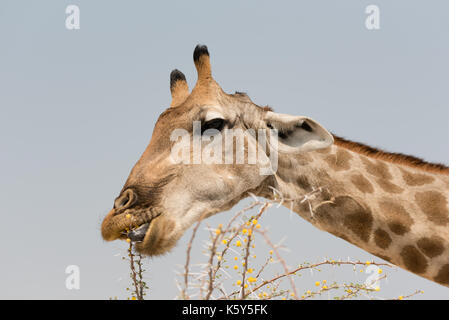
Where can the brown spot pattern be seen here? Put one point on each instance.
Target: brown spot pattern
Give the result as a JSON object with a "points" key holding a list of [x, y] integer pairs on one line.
{"points": [[362, 183], [413, 259], [416, 179], [358, 220], [340, 160], [303, 182], [431, 247], [345, 212], [382, 238], [376, 168], [398, 228], [389, 187], [398, 219], [434, 205], [326, 213], [326, 195], [443, 275]]}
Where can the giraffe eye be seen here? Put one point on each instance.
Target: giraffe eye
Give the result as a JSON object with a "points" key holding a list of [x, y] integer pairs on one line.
{"points": [[217, 124]]}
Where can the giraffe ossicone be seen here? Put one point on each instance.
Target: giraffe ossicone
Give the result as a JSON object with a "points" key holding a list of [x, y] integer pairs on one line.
{"points": [[391, 205]]}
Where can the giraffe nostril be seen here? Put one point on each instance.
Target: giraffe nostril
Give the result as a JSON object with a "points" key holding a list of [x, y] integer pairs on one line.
{"points": [[125, 200]]}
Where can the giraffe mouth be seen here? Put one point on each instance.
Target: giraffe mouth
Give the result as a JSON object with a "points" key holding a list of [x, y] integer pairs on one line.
{"points": [[139, 233], [152, 234]]}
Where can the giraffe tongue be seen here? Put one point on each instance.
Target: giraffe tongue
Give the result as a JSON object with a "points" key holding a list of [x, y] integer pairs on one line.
{"points": [[139, 233]]}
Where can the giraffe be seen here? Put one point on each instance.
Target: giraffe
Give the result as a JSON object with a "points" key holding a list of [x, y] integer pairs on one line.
{"points": [[391, 205]]}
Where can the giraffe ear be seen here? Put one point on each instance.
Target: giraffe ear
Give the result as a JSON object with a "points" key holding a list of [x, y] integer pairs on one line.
{"points": [[297, 133]]}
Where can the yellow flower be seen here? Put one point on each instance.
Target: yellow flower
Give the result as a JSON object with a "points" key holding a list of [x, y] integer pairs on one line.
{"points": [[128, 240], [254, 256], [271, 252], [250, 270], [254, 221], [236, 267], [251, 279], [235, 258], [400, 297], [377, 289], [220, 226], [250, 232], [133, 298], [258, 226], [128, 216], [379, 271], [224, 241], [245, 285], [244, 231], [239, 282], [284, 298], [265, 294], [292, 294], [217, 231], [367, 263], [324, 281], [253, 246], [238, 243], [219, 258], [324, 287], [309, 292], [317, 283]]}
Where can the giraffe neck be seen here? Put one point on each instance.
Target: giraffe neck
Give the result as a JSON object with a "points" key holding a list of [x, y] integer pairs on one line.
{"points": [[392, 210]]}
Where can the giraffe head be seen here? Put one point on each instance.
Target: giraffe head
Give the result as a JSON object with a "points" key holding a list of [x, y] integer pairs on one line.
{"points": [[163, 195]]}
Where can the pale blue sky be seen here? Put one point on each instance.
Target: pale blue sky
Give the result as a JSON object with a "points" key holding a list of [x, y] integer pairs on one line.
{"points": [[78, 108]]}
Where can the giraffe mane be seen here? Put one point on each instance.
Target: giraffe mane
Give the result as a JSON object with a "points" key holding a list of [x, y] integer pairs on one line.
{"points": [[391, 156]]}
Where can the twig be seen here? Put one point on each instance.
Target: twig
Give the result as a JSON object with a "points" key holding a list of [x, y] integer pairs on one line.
{"points": [[186, 266], [133, 272], [247, 249]]}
